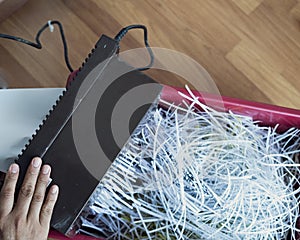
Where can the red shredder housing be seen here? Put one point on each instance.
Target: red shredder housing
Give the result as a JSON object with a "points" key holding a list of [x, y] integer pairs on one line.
{"points": [[265, 114]]}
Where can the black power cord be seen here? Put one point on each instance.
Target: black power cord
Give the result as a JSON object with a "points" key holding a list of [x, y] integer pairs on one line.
{"points": [[37, 44], [124, 31]]}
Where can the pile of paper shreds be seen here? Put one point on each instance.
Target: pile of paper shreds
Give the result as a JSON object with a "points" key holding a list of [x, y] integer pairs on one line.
{"points": [[189, 174]]}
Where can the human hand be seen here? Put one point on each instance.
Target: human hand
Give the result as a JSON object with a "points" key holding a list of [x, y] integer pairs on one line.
{"points": [[30, 218]]}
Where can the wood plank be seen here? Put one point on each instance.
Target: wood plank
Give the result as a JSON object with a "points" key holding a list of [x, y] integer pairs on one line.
{"points": [[263, 75], [247, 6], [295, 12], [7, 60]]}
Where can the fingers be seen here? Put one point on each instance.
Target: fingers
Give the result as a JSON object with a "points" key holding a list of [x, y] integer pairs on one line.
{"points": [[47, 208], [8, 190], [32, 193], [28, 186], [39, 193]]}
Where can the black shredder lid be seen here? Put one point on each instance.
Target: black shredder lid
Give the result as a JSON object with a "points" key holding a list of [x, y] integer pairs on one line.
{"points": [[76, 138]]}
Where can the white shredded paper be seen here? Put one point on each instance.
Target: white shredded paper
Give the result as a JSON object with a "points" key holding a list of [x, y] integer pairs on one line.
{"points": [[186, 174]]}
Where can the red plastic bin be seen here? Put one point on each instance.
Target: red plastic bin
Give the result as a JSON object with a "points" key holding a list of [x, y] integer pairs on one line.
{"points": [[266, 114]]}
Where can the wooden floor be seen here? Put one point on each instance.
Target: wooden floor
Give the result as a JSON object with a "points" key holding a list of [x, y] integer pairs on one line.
{"points": [[251, 48]]}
